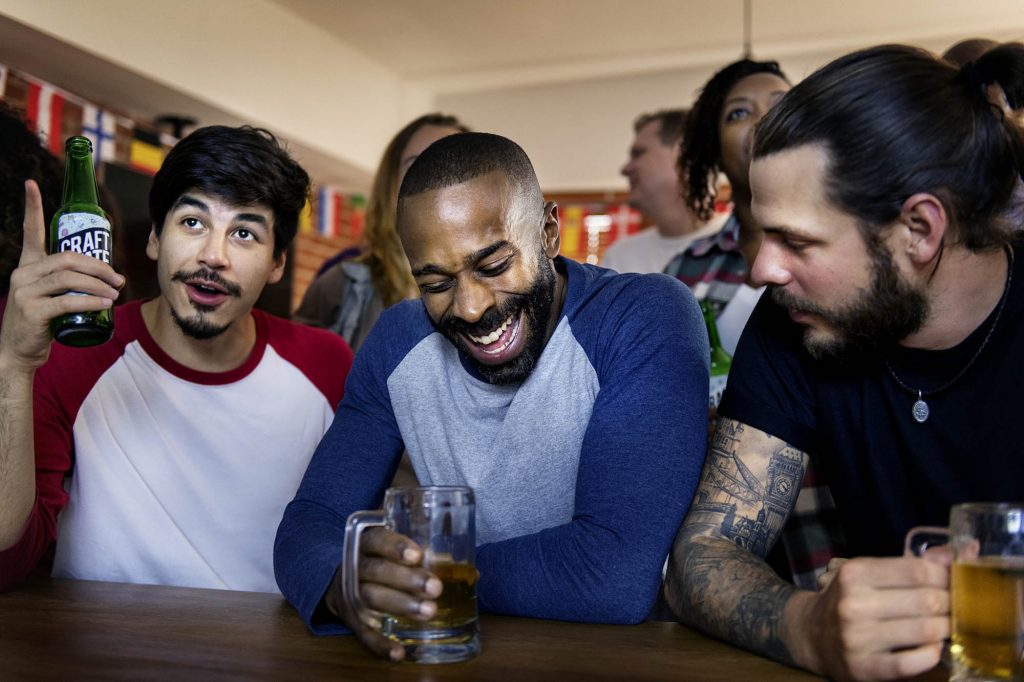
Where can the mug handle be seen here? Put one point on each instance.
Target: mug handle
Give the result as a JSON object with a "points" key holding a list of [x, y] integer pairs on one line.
{"points": [[920, 538], [354, 527]]}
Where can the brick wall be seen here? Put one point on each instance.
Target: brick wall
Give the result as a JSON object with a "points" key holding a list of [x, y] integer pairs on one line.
{"points": [[310, 251]]}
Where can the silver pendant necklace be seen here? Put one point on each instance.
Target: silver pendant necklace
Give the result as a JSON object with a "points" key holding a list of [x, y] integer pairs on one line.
{"points": [[920, 410]]}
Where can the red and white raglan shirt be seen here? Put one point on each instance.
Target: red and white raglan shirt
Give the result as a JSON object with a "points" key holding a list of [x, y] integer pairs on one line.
{"points": [[150, 472]]}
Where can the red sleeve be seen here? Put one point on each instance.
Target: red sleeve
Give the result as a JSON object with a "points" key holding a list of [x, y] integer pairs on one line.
{"points": [[59, 388], [53, 442], [322, 356]]}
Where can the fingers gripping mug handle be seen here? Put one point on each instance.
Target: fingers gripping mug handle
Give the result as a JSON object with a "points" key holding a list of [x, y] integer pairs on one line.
{"points": [[354, 527], [920, 538]]}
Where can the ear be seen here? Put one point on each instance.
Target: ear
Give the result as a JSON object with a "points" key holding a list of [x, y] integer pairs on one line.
{"points": [[153, 244], [996, 96], [552, 235], [925, 222], [278, 270]]}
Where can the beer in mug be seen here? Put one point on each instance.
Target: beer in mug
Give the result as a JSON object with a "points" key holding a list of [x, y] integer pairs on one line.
{"points": [[442, 521], [986, 588], [988, 616]]}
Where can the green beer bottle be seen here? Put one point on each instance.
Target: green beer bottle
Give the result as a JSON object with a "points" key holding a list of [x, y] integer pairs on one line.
{"points": [[721, 361], [80, 225]]}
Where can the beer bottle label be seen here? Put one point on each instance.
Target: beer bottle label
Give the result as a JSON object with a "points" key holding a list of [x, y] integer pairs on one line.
{"points": [[717, 388], [86, 233]]}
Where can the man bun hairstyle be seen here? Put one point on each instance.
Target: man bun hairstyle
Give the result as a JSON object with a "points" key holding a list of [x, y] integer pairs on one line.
{"points": [[702, 143], [897, 121], [243, 165]]}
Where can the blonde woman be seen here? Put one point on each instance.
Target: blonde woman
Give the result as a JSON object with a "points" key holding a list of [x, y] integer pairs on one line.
{"points": [[349, 295]]}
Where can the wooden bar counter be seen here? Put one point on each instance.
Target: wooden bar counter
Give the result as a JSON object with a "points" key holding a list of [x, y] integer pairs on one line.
{"points": [[67, 629]]}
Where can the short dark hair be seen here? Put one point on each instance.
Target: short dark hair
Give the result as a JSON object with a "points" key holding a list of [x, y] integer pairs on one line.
{"points": [[702, 145], [22, 158], [671, 123], [462, 157], [242, 165], [896, 121]]}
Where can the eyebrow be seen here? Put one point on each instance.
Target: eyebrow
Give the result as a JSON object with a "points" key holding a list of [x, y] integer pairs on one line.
{"points": [[186, 200], [790, 232], [475, 257], [745, 98], [189, 200]]}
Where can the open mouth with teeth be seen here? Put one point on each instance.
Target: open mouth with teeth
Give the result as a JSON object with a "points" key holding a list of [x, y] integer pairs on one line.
{"points": [[502, 344], [206, 293]]}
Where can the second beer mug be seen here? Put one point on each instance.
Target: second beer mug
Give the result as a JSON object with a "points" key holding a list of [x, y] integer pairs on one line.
{"points": [[987, 589], [442, 521]]}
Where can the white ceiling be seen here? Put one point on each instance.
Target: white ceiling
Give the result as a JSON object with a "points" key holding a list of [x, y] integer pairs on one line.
{"points": [[471, 45]]}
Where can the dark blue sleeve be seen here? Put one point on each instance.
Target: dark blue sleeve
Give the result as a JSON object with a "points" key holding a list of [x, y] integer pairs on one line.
{"points": [[639, 466], [349, 471]]}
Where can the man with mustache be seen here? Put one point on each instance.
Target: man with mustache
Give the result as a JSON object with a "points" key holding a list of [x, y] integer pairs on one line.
{"points": [[167, 454], [888, 349], [572, 399]]}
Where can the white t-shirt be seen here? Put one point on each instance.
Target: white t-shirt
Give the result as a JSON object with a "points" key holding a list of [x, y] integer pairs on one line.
{"points": [[180, 477], [645, 251]]}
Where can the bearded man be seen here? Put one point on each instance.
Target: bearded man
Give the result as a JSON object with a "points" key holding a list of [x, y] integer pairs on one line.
{"points": [[889, 349], [571, 399]]}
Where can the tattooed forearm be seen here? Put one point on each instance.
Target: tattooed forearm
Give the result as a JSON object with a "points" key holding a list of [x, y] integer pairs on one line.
{"points": [[717, 579], [715, 586]]}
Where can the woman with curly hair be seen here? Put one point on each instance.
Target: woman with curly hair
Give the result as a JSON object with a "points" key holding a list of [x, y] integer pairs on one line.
{"points": [[349, 295], [718, 139]]}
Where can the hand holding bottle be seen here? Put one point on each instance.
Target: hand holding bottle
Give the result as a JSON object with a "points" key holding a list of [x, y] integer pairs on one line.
{"points": [[39, 290]]}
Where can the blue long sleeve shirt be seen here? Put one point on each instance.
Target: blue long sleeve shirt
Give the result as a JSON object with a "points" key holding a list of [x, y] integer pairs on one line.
{"points": [[582, 472]]}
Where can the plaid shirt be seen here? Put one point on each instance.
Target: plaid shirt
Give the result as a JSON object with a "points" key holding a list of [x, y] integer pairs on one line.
{"points": [[714, 269]]}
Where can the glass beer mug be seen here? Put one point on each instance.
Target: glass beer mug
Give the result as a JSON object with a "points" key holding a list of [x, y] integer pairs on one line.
{"points": [[442, 521], [986, 588]]}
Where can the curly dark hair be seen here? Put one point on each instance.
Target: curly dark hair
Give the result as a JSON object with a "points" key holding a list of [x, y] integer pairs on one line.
{"points": [[22, 158], [702, 152]]}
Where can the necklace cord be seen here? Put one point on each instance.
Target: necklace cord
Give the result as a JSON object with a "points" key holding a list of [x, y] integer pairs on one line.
{"points": [[920, 393]]}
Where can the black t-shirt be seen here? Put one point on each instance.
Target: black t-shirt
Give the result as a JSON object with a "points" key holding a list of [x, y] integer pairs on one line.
{"points": [[887, 472]]}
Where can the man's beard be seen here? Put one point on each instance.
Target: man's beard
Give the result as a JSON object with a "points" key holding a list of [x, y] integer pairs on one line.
{"points": [[536, 303], [889, 310], [197, 326]]}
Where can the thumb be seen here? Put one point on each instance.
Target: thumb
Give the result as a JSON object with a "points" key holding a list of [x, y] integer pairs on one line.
{"points": [[33, 246]]}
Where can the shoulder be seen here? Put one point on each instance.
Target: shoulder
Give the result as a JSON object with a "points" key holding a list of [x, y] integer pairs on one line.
{"points": [[592, 287], [397, 331], [772, 379], [631, 240], [626, 246], [292, 340], [322, 356], [606, 309]]}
